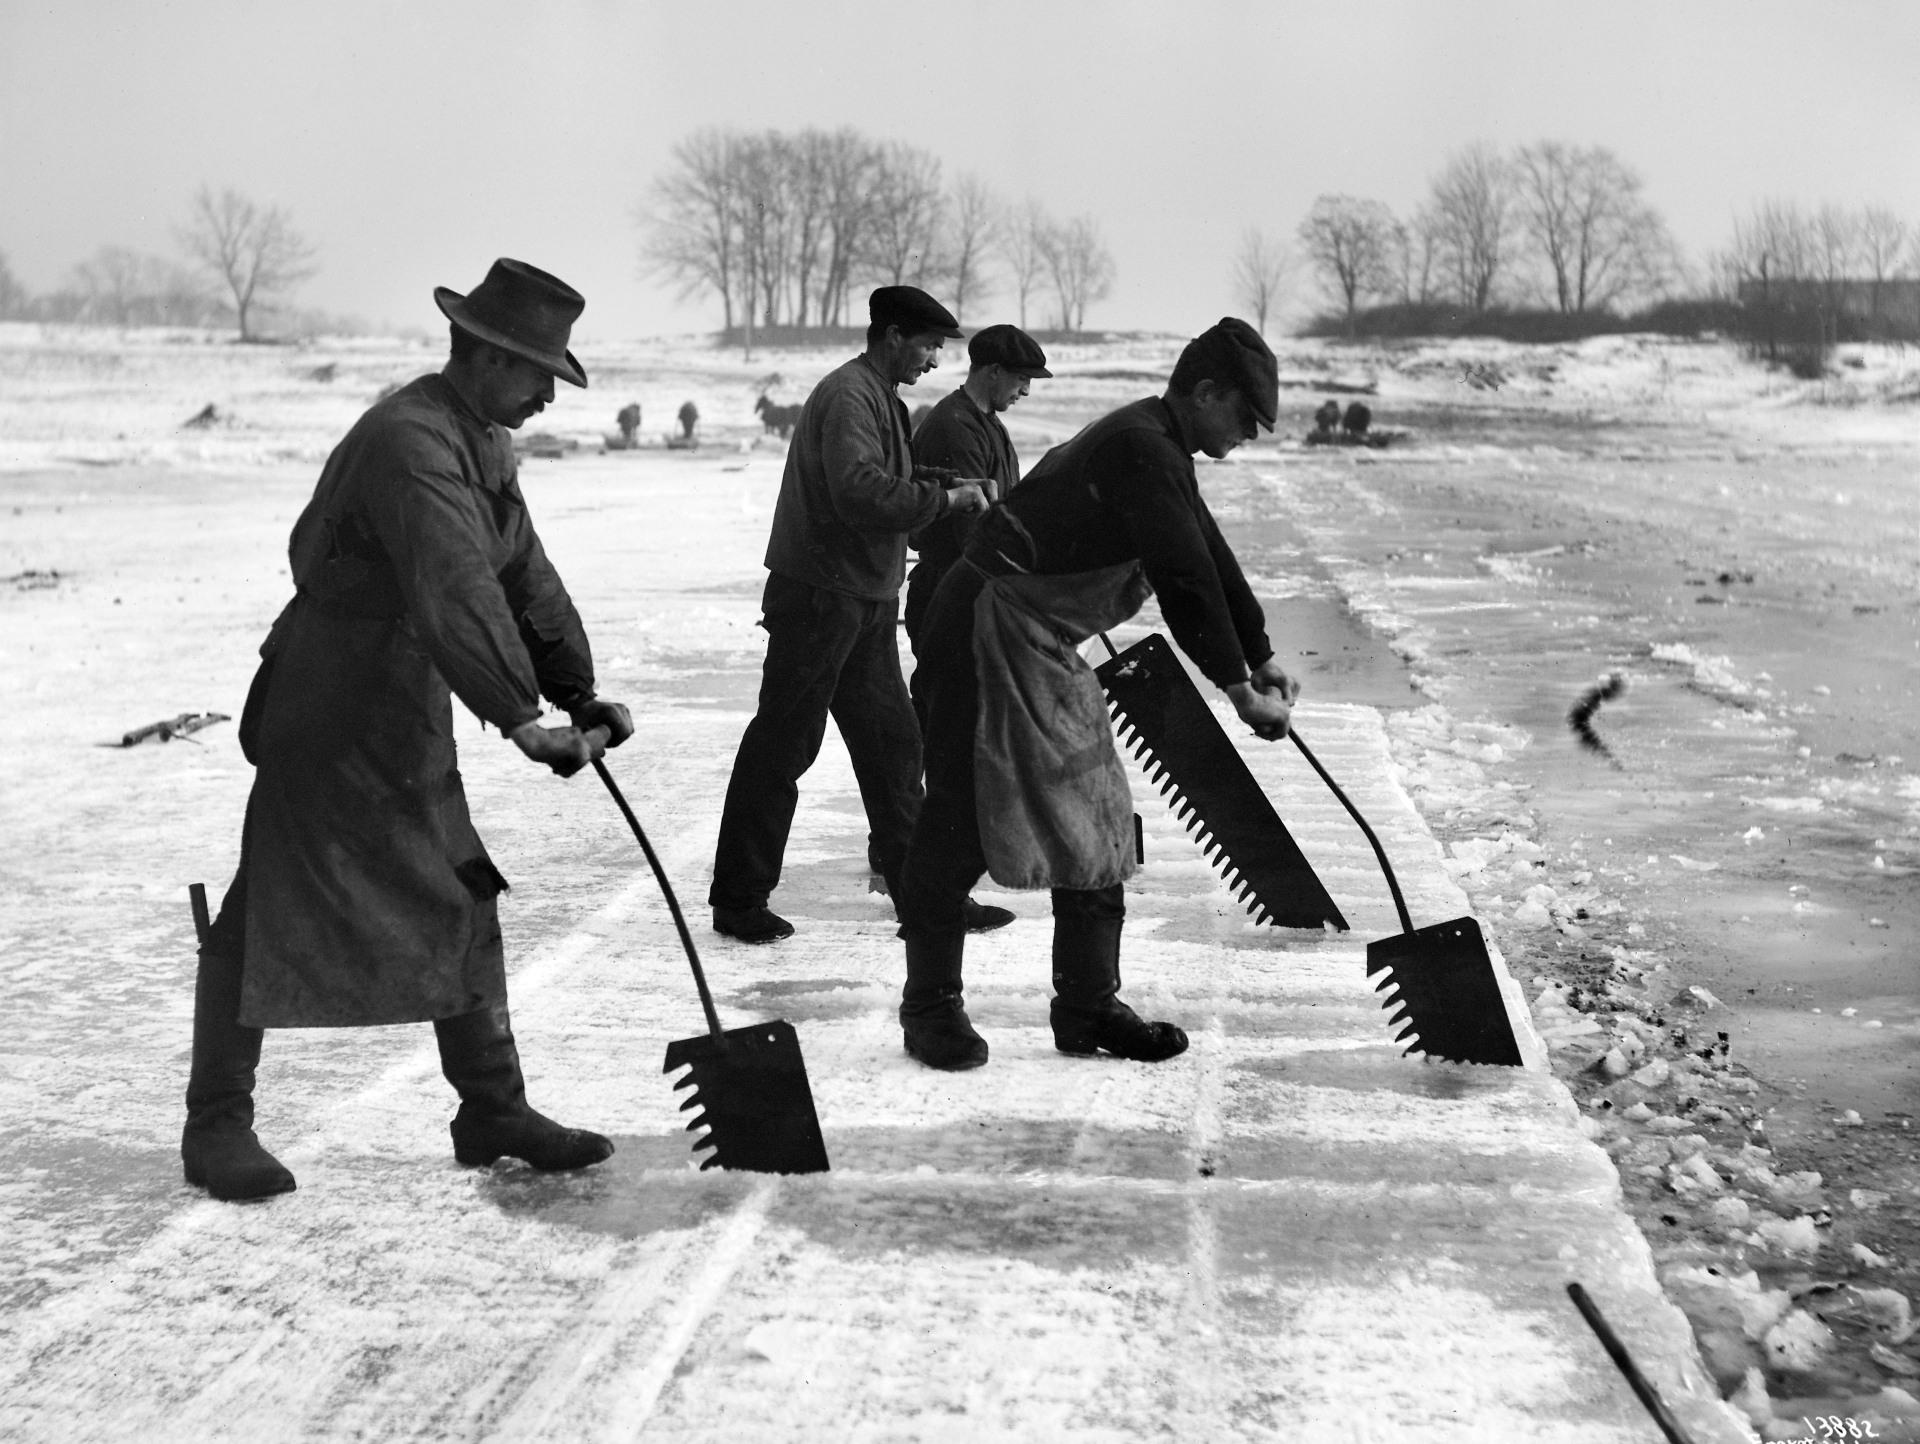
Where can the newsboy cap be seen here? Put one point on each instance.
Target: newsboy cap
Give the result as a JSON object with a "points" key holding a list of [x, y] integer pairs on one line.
{"points": [[1008, 346], [912, 310], [1232, 353], [522, 310]]}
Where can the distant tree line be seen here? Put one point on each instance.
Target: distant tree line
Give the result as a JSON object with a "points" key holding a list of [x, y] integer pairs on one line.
{"points": [[1552, 240], [790, 230], [241, 258]]}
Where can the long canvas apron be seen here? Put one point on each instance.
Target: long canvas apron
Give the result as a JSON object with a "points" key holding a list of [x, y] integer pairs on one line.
{"points": [[1053, 800]]}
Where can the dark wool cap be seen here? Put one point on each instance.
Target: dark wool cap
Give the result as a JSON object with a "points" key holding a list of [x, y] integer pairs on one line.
{"points": [[1010, 347], [912, 310], [1234, 354]]}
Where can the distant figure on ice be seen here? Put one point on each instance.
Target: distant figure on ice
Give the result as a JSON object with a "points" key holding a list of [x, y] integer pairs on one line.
{"points": [[1022, 777], [628, 420], [363, 895], [689, 418], [1355, 423], [835, 562], [1326, 419]]}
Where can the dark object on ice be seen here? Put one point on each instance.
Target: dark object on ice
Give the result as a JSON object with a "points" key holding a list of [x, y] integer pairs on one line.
{"points": [[1617, 1351], [1358, 418], [326, 371], [1326, 418], [185, 725], [749, 1084], [544, 444], [1580, 719], [1171, 729], [208, 415], [628, 420], [689, 418], [1439, 978], [778, 419]]}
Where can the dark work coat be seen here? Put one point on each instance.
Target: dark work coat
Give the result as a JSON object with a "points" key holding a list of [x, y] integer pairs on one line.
{"points": [[969, 442], [369, 898], [849, 496]]}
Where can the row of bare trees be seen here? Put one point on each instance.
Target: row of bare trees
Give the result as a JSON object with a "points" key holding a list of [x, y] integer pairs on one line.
{"points": [[1564, 225], [242, 257], [790, 228]]}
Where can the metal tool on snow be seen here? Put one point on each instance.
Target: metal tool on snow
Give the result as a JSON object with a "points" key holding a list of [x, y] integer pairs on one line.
{"points": [[1169, 727], [749, 1084], [1440, 977], [1441, 991], [1617, 1351]]}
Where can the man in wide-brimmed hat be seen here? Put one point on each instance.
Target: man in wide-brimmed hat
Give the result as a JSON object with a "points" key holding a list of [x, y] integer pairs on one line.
{"points": [[363, 894], [1022, 779], [835, 562]]}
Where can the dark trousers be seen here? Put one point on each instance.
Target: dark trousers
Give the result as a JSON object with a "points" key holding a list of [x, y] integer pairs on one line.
{"points": [[827, 655], [944, 857]]}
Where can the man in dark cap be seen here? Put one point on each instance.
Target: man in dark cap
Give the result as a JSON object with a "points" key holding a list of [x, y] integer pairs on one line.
{"points": [[964, 433], [835, 562], [363, 894], [1021, 775]]}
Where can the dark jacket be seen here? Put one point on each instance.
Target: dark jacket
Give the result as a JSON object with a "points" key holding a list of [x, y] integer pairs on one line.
{"points": [[419, 576], [1125, 488], [849, 496], [959, 437]]}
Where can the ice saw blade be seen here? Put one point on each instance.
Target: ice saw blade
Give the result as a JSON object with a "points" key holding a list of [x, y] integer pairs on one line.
{"points": [[1167, 724]]}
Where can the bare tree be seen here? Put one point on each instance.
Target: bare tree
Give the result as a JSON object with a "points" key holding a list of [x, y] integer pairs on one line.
{"points": [[693, 223], [1024, 233], [1348, 242], [1413, 257], [904, 231], [1601, 241], [1472, 203], [253, 250], [973, 224], [1836, 246], [13, 295], [1260, 270], [1882, 238], [1081, 268]]}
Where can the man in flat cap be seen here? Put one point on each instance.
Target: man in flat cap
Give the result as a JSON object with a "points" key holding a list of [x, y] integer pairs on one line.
{"points": [[835, 563], [363, 894], [964, 433], [1021, 774]]}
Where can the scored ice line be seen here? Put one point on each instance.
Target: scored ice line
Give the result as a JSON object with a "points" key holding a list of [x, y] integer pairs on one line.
{"points": [[640, 1391]]}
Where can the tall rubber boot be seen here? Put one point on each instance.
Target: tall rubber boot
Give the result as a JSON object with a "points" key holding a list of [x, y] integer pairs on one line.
{"points": [[218, 1148], [494, 1121], [1086, 1012], [933, 1019]]}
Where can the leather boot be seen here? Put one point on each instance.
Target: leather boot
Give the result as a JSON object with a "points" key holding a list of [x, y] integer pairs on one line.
{"points": [[933, 1020], [218, 1149], [1086, 1013], [479, 1059]]}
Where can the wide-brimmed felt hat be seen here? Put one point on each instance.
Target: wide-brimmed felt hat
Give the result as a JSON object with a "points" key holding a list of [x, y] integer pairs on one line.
{"points": [[1008, 346], [912, 310], [523, 310]]}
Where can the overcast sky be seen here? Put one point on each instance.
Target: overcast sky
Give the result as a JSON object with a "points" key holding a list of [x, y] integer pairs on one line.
{"points": [[415, 141]]}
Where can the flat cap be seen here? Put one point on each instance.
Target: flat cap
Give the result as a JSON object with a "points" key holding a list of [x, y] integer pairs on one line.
{"points": [[1234, 354], [912, 310], [1008, 346]]}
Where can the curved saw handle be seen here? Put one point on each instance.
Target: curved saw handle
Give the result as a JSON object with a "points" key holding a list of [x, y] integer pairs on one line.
{"points": [[1393, 884], [673, 905]]}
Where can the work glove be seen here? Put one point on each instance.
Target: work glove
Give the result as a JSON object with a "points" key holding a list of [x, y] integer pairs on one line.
{"points": [[599, 712], [564, 749]]}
